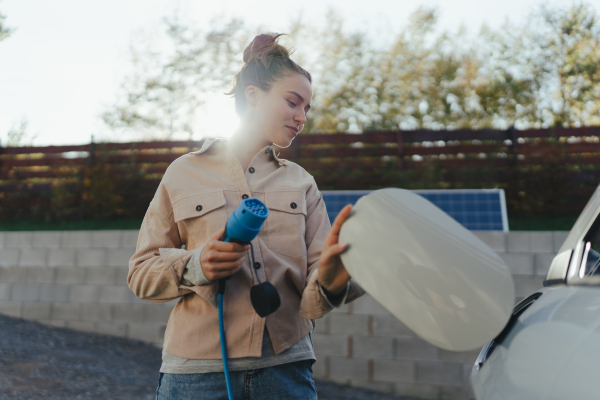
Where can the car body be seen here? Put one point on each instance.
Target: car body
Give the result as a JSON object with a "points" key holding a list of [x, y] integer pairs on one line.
{"points": [[550, 348]]}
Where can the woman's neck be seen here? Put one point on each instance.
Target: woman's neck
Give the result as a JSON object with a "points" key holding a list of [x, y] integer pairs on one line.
{"points": [[245, 145]]}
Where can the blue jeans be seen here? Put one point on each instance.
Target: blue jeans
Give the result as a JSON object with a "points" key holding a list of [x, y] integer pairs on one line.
{"points": [[286, 381]]}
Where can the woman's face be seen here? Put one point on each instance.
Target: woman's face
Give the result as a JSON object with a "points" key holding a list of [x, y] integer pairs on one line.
{"points": [[279, 114]]}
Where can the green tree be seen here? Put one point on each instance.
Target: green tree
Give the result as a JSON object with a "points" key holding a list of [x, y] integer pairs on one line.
{"points": [[173, 76], [18, 134], [433, 84], [5, 31], [338, 68], [509, 76], [571, 38], [542, 72]]}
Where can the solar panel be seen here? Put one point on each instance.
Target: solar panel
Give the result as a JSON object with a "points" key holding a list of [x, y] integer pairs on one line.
{"points": [[475, 209]]}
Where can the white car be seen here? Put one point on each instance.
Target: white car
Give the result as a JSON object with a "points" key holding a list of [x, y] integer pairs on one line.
{"points": [[550, 348]]}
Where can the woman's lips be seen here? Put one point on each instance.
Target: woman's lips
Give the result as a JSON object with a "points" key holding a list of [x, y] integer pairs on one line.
{"points": [[293, 130]]}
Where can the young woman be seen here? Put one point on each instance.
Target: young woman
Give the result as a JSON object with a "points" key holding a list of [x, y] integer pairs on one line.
{"points": [[297, 250]]}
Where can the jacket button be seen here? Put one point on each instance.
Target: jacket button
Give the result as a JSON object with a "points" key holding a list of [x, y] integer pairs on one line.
{"points": [[257, 265], [198, 208], [293, 205], [244, 196], [251, 170]]}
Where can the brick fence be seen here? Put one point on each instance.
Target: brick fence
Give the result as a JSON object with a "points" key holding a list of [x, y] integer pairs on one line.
{"points": [[79, 280]]}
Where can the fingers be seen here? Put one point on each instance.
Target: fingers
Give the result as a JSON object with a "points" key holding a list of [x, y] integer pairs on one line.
{"points": [[221, 259], [332, 237], [221, 270], [224, 256], [228, 246], [335, 249], [341, 217], [217, 235], [339, 248], [215, 243]]}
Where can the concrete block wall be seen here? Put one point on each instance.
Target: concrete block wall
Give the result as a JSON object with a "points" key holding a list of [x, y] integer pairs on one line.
{"points": [[79, 280], [363, 345]]}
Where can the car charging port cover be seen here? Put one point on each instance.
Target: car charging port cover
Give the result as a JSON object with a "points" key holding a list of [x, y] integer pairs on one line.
{"points": [[429, 271]]}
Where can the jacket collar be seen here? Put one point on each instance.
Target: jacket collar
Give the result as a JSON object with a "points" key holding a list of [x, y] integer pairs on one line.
{"points": [[268, 150]]}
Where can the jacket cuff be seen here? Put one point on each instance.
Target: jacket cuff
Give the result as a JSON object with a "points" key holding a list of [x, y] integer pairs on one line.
{"points": [[334, 301], [193, 275], [313, 304], [175, 260]]}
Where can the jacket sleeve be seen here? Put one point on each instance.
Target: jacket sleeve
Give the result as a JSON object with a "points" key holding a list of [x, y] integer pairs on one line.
{"points": [[156, 268], [313, 304]]}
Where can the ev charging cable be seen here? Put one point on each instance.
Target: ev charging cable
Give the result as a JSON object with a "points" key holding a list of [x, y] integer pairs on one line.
{"points": [[242, 227], [224, 350]]}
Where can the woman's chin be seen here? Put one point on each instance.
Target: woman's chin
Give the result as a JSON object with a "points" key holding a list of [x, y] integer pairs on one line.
{"points": [[283, 144]]}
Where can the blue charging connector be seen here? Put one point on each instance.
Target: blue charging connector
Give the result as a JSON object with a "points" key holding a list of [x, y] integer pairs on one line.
{"points": [[242, 227]]}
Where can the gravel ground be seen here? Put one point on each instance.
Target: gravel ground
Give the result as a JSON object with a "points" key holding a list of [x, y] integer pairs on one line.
{"points": [[42, 362]]}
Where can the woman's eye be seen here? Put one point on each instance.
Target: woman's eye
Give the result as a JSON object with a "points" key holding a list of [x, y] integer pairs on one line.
{"points": [[292, 103]]}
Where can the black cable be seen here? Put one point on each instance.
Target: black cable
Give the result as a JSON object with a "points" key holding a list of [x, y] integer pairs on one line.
{"points": [[252, 267]]}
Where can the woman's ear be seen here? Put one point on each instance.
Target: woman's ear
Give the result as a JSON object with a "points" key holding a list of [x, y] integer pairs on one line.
{"points": [[251, 94]]}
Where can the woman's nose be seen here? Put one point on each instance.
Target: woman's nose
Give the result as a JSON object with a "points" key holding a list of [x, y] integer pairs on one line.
{"points": [[300, 118]]}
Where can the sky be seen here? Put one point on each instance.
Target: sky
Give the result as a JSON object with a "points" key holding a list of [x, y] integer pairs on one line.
{"points": [[63, 64]]}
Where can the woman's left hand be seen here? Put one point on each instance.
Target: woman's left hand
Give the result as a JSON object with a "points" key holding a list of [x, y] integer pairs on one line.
{"points": [[333, 276]]}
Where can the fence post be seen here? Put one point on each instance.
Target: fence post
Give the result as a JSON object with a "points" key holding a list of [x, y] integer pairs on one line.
{"points": [[514, 143], [512, 170], [90, 160], [400, 143]]}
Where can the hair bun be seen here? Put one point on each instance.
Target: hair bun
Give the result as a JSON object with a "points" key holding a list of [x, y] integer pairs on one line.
{"points": [[264, 46], [265, 61]]}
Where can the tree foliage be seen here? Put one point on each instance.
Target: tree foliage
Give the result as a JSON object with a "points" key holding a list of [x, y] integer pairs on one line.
{"points": [[5, 31], [543, 72], [571, 65], [18, 134], [171, 80]]}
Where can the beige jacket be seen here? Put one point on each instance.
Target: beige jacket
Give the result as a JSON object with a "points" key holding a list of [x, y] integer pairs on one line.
{"points": [[196, 195]]}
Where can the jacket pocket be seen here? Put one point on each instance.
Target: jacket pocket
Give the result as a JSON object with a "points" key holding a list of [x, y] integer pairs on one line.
{"points": [[199, 216], [285, 226]]}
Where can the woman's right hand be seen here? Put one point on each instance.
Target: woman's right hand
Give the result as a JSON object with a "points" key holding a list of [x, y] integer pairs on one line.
{"points": [[221, 259]]}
